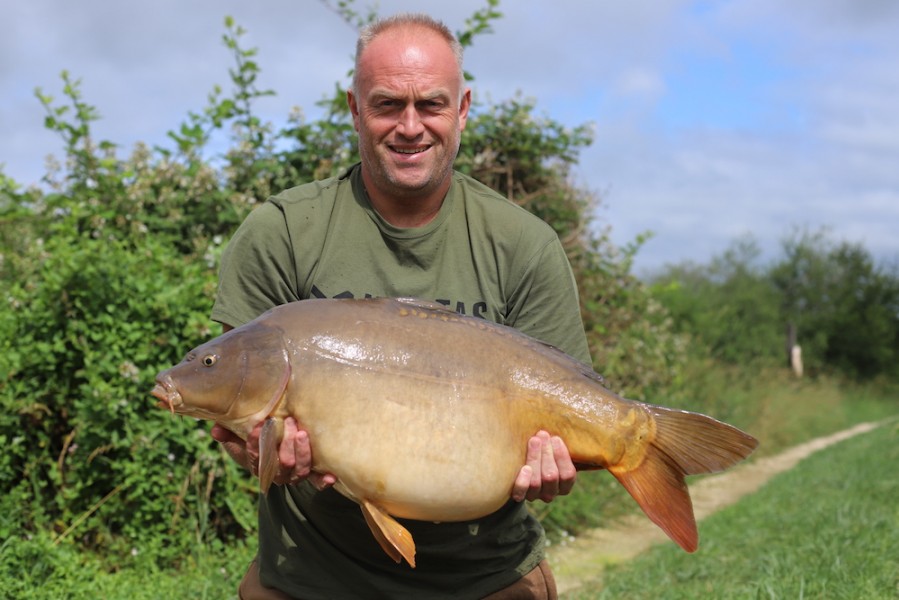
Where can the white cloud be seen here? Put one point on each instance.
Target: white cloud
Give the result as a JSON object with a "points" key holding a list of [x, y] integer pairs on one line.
{"points": [[640, 83], [820, 149]]}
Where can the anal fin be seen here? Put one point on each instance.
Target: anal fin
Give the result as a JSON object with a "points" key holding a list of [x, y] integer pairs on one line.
{"points": [[269, 441], [395, 539]]}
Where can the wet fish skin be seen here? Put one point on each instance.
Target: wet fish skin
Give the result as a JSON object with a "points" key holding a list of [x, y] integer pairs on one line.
{"points": [[425, 414]]}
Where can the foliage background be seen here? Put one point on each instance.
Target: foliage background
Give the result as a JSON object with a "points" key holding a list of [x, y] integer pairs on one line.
{"points": [[108, 272]]}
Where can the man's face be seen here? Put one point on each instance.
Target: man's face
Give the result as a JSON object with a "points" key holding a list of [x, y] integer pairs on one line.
{"points": [[409, 112]]}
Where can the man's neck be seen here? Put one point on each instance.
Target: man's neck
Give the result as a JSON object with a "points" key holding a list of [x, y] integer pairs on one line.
{"points": [[410, 211]]}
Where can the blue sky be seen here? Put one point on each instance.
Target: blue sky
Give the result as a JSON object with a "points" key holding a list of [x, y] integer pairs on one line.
{"points": [[737, 90], [713, 119]]}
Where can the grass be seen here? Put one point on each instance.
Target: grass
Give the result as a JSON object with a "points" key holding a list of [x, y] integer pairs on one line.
{"points": [[38, 569], [781, 410], [827, 529]]}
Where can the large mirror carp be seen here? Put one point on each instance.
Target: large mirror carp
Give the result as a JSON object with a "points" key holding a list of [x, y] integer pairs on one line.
{"points": [[425, 414]]}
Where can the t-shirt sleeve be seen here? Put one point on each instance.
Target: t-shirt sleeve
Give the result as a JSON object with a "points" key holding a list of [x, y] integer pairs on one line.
{"points": [[257, 271], [545, 305]]}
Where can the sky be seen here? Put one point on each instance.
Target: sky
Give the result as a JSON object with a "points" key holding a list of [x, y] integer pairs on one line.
{"points": [[713, 119]]}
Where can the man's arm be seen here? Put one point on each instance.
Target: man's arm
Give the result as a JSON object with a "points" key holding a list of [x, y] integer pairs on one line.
{"points": [[546, 306]]}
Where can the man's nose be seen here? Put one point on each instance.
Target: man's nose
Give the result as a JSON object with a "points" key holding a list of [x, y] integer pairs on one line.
{"points": [[409, 124]]}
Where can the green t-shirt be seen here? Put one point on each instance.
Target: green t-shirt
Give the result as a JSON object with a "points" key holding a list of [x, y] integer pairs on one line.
{"points": [[481, 256]]}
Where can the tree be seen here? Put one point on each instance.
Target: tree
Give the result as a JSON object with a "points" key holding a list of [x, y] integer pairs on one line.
{"points": [[846, 309], [843, 307], [729, 306]]}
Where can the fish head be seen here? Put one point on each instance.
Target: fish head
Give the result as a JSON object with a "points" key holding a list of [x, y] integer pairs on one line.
{"points": [[236, 379]]}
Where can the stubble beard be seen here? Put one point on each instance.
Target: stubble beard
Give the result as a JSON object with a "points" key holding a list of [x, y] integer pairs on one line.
{"points": [[390, 177]]}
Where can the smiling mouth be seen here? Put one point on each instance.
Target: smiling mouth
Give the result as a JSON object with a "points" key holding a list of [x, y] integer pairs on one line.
{"points": [[409, 151]]}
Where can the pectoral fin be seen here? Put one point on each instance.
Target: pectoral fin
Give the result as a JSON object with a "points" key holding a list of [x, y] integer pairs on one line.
{"points": [[269, 441], [395, 539]]}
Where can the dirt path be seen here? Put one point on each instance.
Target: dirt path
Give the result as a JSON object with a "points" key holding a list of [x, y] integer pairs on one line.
{"points": [[582, 559]]}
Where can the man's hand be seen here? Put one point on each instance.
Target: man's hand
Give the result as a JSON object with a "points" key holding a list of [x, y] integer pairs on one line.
{"points": [[548, 472], [294, 454]]}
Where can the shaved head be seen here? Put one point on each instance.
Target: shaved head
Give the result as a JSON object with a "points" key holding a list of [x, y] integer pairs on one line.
{"points": [[413, 23]]}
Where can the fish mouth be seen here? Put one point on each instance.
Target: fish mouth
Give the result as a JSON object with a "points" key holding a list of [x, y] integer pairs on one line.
{"points": [[166, 393]]}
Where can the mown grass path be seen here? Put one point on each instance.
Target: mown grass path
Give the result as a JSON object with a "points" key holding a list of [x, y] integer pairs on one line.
{"points": [[584, 559]]}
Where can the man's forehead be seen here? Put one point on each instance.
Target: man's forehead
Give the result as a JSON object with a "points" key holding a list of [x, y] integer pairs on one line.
{"points": [[409, 70], [407, 49]]}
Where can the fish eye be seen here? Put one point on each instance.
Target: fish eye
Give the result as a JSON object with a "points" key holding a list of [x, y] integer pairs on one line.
{"points": [[209, 360]]}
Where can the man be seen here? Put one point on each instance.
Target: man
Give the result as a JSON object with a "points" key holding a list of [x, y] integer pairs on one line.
{"points": [[401, 223]]}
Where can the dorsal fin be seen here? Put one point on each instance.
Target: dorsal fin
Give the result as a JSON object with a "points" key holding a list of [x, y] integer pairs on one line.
{"points": [[425, 305]]}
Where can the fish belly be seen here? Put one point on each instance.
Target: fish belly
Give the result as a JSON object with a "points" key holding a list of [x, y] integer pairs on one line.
{"points": [[421, 448]]}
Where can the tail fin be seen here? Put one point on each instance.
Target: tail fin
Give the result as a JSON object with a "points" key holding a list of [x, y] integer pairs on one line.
{"points": [[685, 443]]}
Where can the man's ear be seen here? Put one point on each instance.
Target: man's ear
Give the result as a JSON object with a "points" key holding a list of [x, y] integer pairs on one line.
{"points": [[354, 108], [463, 108]]}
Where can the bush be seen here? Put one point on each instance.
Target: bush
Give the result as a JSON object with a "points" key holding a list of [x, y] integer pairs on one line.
{"points": [[94, 324]]}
